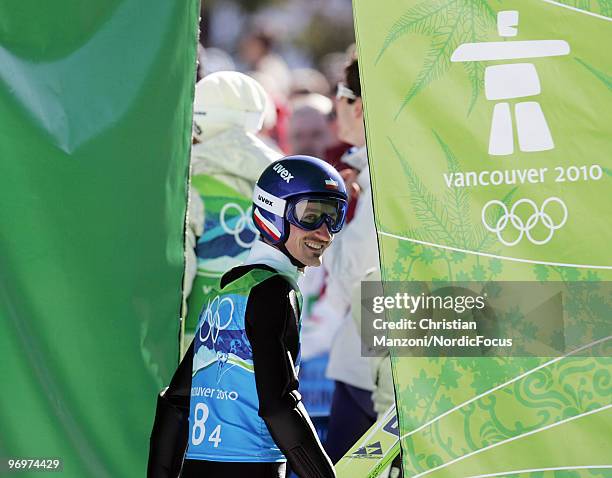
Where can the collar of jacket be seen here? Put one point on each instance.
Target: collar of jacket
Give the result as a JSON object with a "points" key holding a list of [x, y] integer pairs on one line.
{"points": [[356, 158], [262, 253]]}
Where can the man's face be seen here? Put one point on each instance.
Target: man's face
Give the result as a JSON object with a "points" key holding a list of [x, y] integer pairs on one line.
{"points": [[349, 121], [348, 117], [309, 133], [308, 246]]}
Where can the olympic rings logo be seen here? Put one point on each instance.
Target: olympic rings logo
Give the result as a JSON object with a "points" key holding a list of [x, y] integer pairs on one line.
{"points": [[244, 221], [214, 318], [524, 227]]}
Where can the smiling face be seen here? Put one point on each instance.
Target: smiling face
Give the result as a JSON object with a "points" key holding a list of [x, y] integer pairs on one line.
{"points": [[308, 246]]}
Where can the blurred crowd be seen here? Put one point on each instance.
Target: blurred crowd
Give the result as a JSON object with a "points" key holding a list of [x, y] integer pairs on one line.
{"points": [[253, 106], [300, 114]]}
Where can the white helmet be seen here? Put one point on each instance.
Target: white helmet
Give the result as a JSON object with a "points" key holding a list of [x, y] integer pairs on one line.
{"points": [[228, 98]]}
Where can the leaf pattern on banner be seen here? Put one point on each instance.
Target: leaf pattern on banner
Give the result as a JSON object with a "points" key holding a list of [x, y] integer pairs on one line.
{"points": [[428, 210], [603, 472], [541, 397], [600, 75], [445, 221], [604, 7], [458, 201], [556, 391], [448, 23]]}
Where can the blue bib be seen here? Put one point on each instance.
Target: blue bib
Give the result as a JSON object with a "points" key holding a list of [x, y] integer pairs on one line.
{"points": [[224, 424]]}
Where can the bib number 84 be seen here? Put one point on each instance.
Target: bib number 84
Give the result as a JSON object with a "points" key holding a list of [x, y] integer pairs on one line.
{"points": [[198, 432]]}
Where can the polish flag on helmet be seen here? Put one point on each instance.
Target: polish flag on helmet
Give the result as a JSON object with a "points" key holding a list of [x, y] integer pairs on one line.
{"points": [[331, 184], [266, 225]]}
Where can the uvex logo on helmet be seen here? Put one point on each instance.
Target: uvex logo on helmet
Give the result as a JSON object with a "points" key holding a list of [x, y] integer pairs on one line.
{"points": [[265, 200], [283, 172]]}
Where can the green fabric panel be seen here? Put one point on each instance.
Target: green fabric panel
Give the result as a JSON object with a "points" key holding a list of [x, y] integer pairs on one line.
{"points": [[210, 186], [428, 118], [95, 130], [241, 287], [244, 284]]}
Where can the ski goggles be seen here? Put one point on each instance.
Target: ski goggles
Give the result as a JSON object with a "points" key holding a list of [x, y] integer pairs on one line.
{"points": [[310, 213]]}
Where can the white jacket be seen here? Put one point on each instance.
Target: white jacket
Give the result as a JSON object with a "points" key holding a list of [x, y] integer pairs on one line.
{"points": [[383, 395], [235, 158]]}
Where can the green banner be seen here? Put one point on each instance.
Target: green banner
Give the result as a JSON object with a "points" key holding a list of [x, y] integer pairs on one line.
{"points": [[95, 125], [488, 128]]}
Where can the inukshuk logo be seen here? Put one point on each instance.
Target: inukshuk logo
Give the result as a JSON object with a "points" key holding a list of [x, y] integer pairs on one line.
{"points": [[513, 81], [516, 81]]}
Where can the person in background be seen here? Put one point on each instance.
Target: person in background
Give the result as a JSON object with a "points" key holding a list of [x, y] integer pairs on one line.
{"points": [[226, 160], [211, 60], [274, 131], [232, 408], [308, 80], [383, 396], [256, 50], [309, 131]]}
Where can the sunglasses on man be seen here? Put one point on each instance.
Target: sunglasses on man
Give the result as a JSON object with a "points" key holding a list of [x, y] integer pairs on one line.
{"points": [[343, 91]]}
